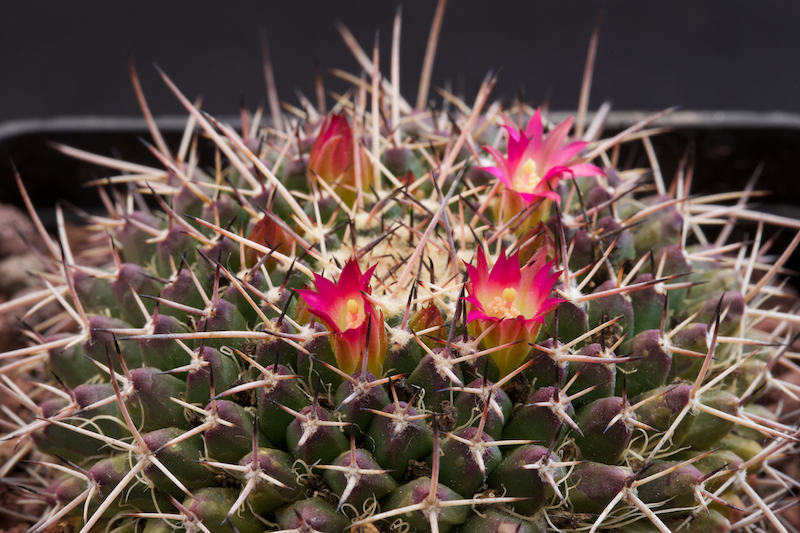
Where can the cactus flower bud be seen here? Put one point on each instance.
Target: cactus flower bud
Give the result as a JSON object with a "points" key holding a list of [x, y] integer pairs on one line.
{"points": [[333, 156], [267, 232]]}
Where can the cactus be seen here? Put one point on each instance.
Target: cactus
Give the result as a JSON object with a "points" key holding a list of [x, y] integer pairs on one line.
{"points": [[404, 320]]}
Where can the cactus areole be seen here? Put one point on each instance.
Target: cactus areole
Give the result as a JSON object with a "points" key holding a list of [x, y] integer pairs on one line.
{"points": [[360, 321]]}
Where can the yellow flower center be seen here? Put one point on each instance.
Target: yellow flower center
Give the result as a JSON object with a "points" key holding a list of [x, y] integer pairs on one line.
{"points": [[503, 307], [355, 316], [527, 177]]}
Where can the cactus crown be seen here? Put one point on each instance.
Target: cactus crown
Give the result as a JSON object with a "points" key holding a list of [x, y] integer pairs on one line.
{"points": [[384, 318]]}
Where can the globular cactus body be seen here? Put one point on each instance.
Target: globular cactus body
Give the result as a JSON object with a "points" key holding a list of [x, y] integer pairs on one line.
{"points": [[359, 325]]}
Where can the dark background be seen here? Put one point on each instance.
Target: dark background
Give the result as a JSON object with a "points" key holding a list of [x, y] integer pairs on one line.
{"points": [[68, 58]]}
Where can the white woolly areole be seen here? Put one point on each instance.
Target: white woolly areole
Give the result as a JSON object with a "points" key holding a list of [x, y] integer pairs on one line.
{"points": [[306, 334], [399, 338], [273, 295]]}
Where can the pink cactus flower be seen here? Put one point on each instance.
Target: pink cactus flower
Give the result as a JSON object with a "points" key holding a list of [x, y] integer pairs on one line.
{"points": [[347, 314], [536, 163], [512, 301], [333, 154]]}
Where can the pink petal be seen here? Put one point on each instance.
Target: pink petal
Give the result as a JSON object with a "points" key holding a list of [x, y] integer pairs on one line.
{"points": [[542, 286], [534, 131], [517, 145], [505, 273], [502, 164], [555, 172], [476, 314], [533, 266], [325, 287], [366, 277], [554, 141], [478, 277], [472, 272], [499, 174], [473, 299], [483, 266], [312, 298], [586, 169], [339, 126], [324, 132], [531, 287], [563, 156], [329, 322], [550, 304], [352, 335], [318, 311], [532, 197], [512, 129], [350, 279]]}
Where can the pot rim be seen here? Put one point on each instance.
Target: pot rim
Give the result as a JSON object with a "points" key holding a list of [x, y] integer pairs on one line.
{"points": [[688, 119]]}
